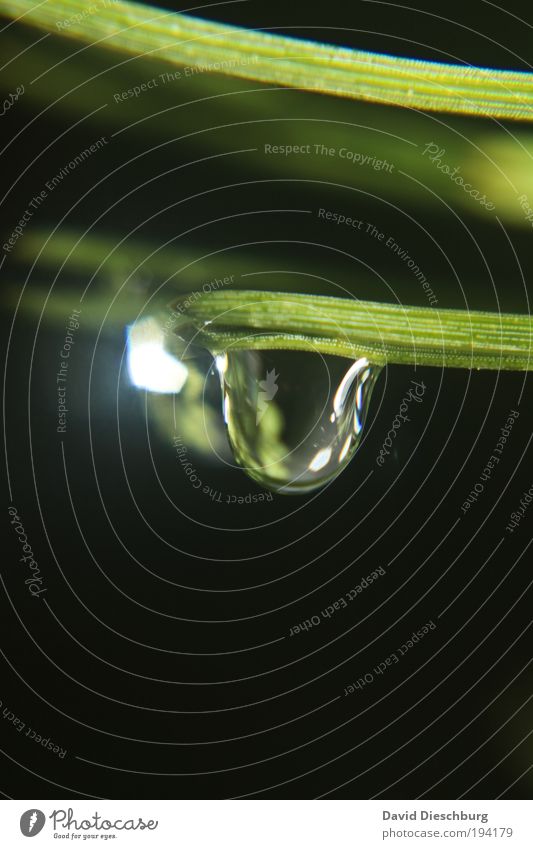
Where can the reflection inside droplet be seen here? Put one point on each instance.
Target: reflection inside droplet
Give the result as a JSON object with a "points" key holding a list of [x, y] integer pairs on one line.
{"points": [[151, 365], [294, 418], [182, 389], [320, 459]]}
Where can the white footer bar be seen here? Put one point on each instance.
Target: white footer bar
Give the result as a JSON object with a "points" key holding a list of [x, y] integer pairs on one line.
{"points": [[267, 824]]}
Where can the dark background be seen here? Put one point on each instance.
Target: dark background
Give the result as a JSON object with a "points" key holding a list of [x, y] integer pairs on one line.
{"points": [[160, 655]]}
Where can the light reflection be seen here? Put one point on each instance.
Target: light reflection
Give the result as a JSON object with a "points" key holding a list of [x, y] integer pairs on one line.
{"points": [[150, 365], [345, 448], [320, 459], [346, 384]]}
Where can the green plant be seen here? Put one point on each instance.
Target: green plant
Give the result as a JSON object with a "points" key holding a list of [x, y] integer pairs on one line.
{"points": [[384, 333], [187, 41]]}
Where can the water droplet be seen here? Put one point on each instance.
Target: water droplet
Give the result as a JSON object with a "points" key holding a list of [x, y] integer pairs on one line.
{"points": [[294, 418]]}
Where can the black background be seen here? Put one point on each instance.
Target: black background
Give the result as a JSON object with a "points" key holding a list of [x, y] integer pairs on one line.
{"points": [[160, 655]]}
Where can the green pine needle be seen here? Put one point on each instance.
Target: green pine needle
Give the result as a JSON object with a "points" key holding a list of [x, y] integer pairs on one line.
{"points": [[384, 333], [143, 30]]}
